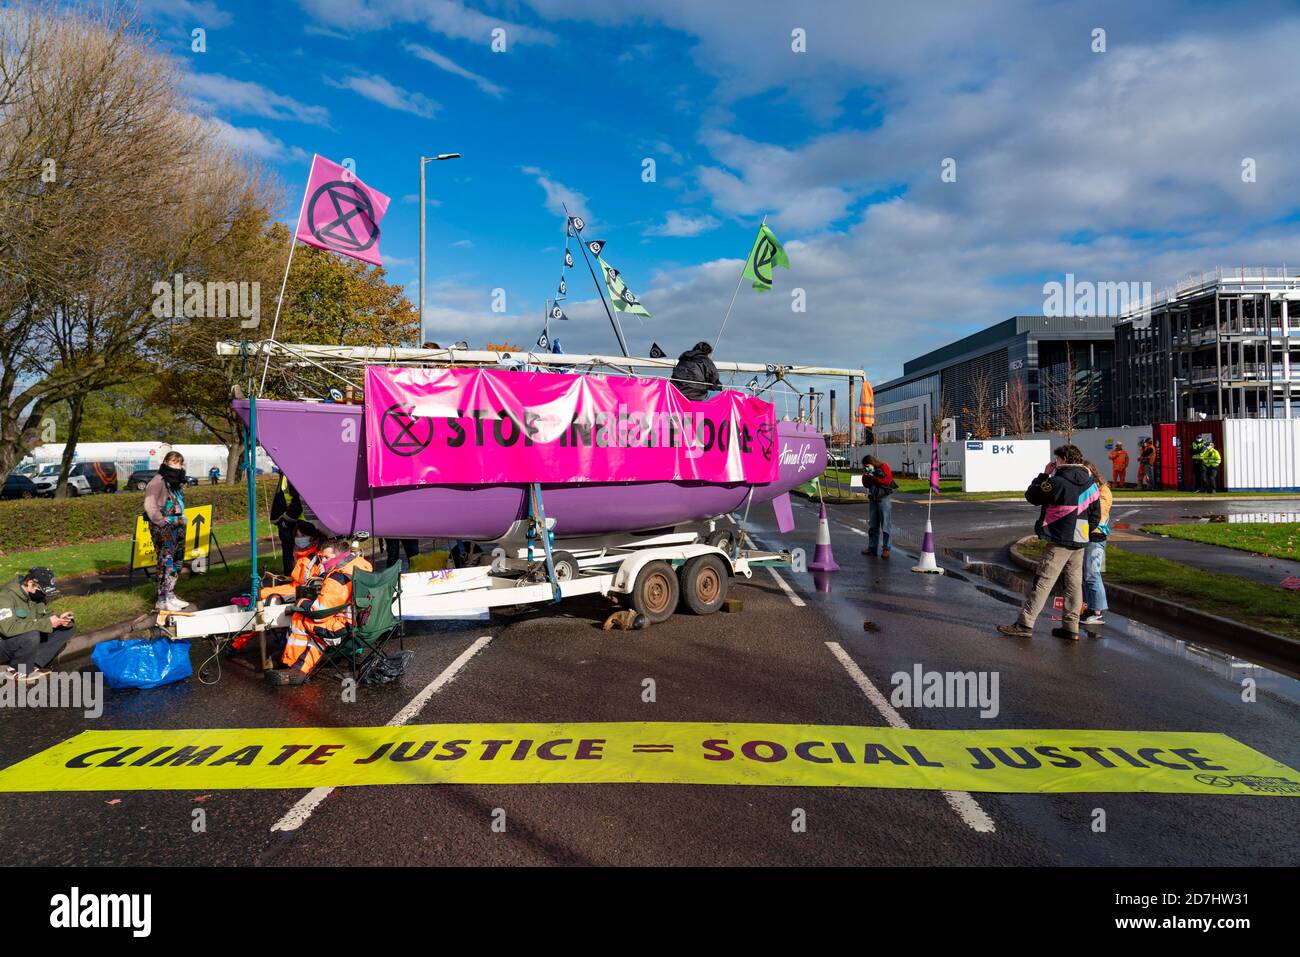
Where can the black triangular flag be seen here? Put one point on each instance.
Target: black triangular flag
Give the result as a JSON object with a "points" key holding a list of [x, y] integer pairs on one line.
{"points": [[568, 259], [558, 313], [575, 222], [656, 352], [564, 287], [543, 342], [596, 245]]}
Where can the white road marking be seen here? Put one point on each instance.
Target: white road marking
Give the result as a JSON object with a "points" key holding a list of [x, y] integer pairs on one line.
{"points": [[785, 587], [297, 815], [967, 808]]}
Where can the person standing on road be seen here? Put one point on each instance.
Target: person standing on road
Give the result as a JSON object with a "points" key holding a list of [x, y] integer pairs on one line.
{"points": [[164, 510], [1069, 509], [1198, 467], [286, 513], [1210, 462], [1146, 464], [30, 637], [1118, 465], [1094, 557], [878, 477], [393, 549]]}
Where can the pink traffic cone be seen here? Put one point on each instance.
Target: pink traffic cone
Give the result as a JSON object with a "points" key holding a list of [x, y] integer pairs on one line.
{"points": [[823, 560]]}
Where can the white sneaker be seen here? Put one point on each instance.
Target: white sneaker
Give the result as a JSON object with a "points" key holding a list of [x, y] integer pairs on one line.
{"points": [[175, 604]]}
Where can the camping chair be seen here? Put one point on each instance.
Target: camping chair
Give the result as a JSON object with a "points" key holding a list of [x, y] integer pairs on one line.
{"points": [[373, 621]]}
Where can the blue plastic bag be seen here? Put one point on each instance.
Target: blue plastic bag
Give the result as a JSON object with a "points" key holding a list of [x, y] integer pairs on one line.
{"points": [[142, 663]]}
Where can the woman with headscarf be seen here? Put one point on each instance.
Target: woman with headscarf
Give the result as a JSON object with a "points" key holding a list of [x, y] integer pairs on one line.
{"points": [[164, 509]]}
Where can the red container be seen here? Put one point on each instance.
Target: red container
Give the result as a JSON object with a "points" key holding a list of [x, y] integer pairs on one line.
{"points": [[1174, 451]]}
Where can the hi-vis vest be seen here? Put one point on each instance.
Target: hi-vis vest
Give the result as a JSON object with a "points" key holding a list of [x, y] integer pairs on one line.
{"points": [[336, 591], [307, 565]]}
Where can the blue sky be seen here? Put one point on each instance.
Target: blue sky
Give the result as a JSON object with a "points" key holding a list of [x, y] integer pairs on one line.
{"points": [[1123, 165]]}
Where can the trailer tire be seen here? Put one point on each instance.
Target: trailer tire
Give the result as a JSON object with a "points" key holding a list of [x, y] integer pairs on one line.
{"points": [[723, 539], [566, 566], [656, 592], [704, 584]]}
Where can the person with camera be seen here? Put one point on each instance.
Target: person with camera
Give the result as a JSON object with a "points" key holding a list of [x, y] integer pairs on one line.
{"points": [[878, 478]]}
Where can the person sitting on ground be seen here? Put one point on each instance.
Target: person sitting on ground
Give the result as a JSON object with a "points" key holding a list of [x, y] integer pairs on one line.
{"points": [[878, 477], [322, 616], [1069, 509], [695, 374], [1094, 556], [30, 637], [164, 510]]}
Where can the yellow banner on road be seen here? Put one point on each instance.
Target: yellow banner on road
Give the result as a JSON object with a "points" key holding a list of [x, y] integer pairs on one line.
{"points": [[787, 755], [198, 537]]}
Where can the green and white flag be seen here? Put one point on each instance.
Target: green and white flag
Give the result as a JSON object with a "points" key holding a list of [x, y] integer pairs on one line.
{"points": [[620, 296], [767, 253]]}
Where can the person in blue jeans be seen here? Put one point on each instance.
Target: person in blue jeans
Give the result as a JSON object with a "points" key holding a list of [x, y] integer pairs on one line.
{"points": [[1094, 558], [878, 478]]}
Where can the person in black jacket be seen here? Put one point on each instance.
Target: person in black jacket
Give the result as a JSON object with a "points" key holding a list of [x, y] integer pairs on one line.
{"points": [[286, 513], [695, 374], [1069, 510]]}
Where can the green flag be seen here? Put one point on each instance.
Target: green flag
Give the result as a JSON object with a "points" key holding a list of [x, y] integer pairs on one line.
{"points": [[767, 252], [620, 296]]}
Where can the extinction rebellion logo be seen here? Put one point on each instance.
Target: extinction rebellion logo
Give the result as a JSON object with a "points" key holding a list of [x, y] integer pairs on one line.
{"points": [[399, 429], [352, 227]]}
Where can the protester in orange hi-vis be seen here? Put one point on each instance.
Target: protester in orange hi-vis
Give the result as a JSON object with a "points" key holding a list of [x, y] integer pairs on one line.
{"points": [[1118, 465], [322, 615]]}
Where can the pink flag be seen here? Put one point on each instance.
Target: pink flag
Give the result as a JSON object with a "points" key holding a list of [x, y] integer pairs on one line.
{"points": [[340, 213], [934, 463]]}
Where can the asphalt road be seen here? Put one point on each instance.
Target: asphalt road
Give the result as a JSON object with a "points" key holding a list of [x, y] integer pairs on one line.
{"points": [[769, 663]]}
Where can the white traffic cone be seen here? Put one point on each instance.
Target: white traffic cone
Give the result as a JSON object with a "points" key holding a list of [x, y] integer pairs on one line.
{"points": [[823, 560], [928, 563]]}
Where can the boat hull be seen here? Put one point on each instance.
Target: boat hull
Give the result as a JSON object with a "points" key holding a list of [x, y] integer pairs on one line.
{"points": [[321, 448]]}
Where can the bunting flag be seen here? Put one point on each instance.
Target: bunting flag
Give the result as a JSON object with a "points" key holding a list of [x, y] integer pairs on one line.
{"points": [[558, 313], [595, 246], [934, 463], [340, 213], [767, 253], [620, 297], [563, 289], [575, 225], [543, 342], [568, 258], [656, 352]]}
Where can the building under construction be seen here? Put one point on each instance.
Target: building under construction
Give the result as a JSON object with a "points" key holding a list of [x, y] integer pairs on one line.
{"points": [[1222, 344]]}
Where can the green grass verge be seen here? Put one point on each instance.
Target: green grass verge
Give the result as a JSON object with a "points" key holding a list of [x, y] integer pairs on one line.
{"points": [[1252, 603], [105, 608], [71, 561], [1275, 539]]}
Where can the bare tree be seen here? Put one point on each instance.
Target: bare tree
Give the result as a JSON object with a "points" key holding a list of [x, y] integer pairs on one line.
{"points": [[1017, 412], [979, 415], [1070, 395]]}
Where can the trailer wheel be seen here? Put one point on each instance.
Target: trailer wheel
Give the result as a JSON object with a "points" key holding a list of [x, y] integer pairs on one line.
{"points": [[704, 584], [723, 539], [655, 592], [566, 566]]}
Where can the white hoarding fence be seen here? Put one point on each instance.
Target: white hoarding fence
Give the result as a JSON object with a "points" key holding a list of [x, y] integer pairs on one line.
{"points": [[1003, 465]]}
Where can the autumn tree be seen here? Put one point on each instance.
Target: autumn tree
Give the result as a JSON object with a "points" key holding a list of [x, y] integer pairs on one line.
{"points": [[329, 299], [108, 182], [979, 414]]}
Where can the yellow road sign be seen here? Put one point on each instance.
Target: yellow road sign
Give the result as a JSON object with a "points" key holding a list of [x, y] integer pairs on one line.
{"points": [[198, 537]]}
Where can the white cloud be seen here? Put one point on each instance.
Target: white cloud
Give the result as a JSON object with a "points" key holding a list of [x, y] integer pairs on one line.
{"points": [[558, 195], [253, 99], [374, 87], [443, 63], [684, 224], [449, 18], [254, 142]]}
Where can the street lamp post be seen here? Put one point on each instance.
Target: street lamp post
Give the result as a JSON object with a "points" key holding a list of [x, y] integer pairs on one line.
{"points": [[423, 160]]}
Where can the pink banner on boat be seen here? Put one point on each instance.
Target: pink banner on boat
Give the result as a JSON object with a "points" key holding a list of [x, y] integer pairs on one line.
{"points": [[487, 426]]}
